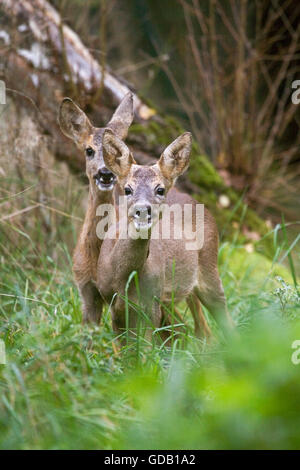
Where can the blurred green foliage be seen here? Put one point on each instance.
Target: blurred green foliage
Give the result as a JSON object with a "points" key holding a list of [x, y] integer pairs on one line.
{"points": [[65, 386]]}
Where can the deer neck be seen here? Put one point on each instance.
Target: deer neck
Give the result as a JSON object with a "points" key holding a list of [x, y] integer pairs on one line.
{"points": [[138, 251], [90, 241], [133, 253]]}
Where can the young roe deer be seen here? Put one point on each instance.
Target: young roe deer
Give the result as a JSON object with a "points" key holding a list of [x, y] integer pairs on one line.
{"points": [[102, 183], [195, 277]]}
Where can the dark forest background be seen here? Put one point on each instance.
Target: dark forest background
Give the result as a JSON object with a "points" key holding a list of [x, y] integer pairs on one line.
{"points": [[224, 69]]}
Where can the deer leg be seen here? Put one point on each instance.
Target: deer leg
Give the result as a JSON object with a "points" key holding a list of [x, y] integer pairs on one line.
{"points": [[202, 329], [136, 326], [155, 315], [92, 303], [168, 320], [119, 322], [213, 298], [164, 334]]}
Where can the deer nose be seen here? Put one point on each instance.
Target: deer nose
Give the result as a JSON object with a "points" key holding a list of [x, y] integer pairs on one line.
{"points": [[142, 212], [104, 175]]}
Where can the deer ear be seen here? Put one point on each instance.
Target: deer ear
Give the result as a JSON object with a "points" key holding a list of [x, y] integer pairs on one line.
{"points": [[123, 117], [73, 121], [116, 154], [176, 157]]}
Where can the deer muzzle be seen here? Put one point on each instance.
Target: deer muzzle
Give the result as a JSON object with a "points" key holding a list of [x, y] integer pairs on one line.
{"points": [[105, 179]]}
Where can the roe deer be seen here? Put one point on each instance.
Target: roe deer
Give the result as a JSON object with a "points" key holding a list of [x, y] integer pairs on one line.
{"points": [[196, 276], [75, 124]]}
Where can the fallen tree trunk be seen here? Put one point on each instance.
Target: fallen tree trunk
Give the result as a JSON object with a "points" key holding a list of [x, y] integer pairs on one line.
{"points": [[43, 60]]}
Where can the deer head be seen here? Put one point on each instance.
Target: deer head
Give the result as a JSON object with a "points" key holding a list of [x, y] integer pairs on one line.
{"points": [[75, 124], [145, 187]]}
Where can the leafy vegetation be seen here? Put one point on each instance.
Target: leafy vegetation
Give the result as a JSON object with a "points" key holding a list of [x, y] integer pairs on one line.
{"points": [[66, 385]]}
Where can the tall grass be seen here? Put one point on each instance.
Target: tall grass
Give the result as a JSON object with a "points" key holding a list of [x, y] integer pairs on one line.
{"points": [[66, 385]]}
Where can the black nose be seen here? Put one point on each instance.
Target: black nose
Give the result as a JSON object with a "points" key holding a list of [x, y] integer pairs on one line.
{"points": [[104, 175], [143, 212]]}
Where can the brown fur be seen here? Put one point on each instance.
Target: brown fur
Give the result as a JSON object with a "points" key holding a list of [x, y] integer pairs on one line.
{"points": [[196, 274], [75, 125]]}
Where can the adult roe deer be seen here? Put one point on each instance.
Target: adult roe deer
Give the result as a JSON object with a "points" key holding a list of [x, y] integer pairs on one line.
{"points": [[75, 124], [196, 276]]}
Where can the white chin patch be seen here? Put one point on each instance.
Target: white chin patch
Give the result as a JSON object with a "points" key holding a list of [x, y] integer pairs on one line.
{"points": [[104, 187], [142, 226]]}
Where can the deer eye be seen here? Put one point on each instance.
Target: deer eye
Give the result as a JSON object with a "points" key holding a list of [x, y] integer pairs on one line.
{"points": [[127, 191], [90, 152], [160, 191]]}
